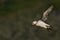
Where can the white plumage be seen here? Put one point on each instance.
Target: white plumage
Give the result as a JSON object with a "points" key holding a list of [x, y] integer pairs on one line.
{"points": [[44, 18], [42, 24]]}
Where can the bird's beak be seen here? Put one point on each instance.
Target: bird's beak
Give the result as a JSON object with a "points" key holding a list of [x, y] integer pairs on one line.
{"points": [[33, 24]]}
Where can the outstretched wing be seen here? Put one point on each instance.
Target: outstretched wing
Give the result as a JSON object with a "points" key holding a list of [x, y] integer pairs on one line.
{"points": [[45, 14]]}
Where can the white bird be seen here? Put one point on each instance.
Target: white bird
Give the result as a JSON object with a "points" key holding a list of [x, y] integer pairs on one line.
{"points": [[41, 22]]}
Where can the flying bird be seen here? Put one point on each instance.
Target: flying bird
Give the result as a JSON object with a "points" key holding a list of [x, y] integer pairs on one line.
{"points": [[41, 22]]}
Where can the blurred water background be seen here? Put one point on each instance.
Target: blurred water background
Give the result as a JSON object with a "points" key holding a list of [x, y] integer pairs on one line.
{"points": [[16, 17]]}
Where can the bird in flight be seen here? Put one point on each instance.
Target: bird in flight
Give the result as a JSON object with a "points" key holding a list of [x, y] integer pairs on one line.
{"points": [[42, 22]]}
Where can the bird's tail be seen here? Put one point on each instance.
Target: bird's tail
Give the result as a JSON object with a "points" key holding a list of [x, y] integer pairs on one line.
{"points": [[50, 29]]}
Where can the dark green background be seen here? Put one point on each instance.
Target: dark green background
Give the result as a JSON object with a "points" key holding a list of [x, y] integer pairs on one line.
{"points": [[16, 17]]}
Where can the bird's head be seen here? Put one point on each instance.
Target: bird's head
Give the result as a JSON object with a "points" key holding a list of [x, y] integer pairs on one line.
{"points": [[34, 22]]}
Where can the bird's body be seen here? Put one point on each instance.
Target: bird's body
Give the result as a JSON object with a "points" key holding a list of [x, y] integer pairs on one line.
{"points": [[42, 24]]}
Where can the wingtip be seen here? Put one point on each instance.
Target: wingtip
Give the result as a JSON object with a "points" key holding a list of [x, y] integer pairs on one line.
{"points": [[51, 6]]}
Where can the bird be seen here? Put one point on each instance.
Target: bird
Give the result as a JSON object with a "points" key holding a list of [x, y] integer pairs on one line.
{"points": [[41, 22]]}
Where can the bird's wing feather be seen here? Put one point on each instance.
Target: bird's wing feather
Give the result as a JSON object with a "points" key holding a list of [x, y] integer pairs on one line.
{"points": [[45, 14]]}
